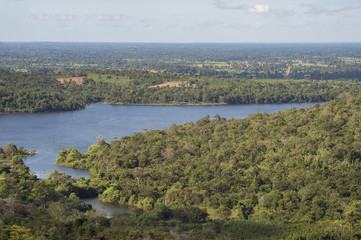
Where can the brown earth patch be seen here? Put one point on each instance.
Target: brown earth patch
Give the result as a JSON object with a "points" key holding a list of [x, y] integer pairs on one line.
{"points": [[170, 84], [77, 80]]}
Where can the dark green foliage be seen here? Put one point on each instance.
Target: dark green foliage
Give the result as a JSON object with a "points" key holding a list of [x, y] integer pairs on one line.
{"points": [[293, 166], [191, 214], [259, 230], [32, 208], [289, 175], [20, 92], [23, 92]]}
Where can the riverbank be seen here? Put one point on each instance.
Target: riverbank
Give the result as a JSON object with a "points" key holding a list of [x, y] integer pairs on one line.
{"points": [[149, 104], [109, 209], [171, 104], [50, 133]]}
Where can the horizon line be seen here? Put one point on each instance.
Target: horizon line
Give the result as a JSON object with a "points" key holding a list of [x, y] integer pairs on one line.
{"points": [[181, 42]]}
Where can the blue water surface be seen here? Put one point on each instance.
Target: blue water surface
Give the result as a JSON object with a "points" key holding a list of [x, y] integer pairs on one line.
{"points": [[48, 133]]}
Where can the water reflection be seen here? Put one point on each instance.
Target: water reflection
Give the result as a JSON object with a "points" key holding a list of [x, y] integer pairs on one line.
{"points": [[109, 209]]}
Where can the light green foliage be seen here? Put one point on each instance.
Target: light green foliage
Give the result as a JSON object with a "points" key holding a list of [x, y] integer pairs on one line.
{"points": [[295, 166], [42, 93], [110, 195], [322, 61], [71, 157], [41, 209]]}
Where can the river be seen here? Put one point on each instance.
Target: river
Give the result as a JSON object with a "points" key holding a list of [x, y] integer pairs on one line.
{"points": [[48, 133]]}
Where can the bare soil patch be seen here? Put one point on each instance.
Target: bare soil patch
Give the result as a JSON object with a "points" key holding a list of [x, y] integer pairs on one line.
{"points": [[170, 84], [77, 80]]}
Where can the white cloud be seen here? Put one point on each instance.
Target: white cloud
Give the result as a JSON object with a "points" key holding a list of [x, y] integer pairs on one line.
{"points": [[262, 9], [282, 13], [66, 18], [74, 17], [112, 18], [228, 5], [259, 8], [330, 10], [42, 17], [58, 18]]}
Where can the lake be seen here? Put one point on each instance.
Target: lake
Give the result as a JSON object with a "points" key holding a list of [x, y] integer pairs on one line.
{"points": [[48, 133]]}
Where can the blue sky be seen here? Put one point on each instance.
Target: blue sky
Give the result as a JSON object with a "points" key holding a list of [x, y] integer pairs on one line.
{"points": [[181, 20]]}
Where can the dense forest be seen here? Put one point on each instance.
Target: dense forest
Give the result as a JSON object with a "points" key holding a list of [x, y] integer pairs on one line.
{"points": [[39, 209], [272, 61], [124, 73], [293, 167], [39, 92], [289, 175]]}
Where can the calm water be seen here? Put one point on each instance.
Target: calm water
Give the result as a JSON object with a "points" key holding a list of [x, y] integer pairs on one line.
{"points": [[48, 133], [109, 209]]}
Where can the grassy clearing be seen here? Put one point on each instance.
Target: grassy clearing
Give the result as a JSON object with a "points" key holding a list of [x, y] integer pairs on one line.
{"points": [[350, 60], [308, 64], [120, 80]]}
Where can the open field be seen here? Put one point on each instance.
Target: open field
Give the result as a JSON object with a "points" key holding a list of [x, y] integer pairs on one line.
{"points": [[77, 80]]}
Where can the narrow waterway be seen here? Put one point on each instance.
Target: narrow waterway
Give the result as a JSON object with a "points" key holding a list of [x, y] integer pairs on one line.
{"points": [[48, 133]]}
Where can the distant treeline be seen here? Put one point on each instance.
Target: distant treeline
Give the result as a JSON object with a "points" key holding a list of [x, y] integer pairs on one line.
{"points": [[271, 61], [38, 92]]}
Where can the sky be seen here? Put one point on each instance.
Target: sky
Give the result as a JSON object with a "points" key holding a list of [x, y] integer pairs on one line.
{"points": [[180, 20]]}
